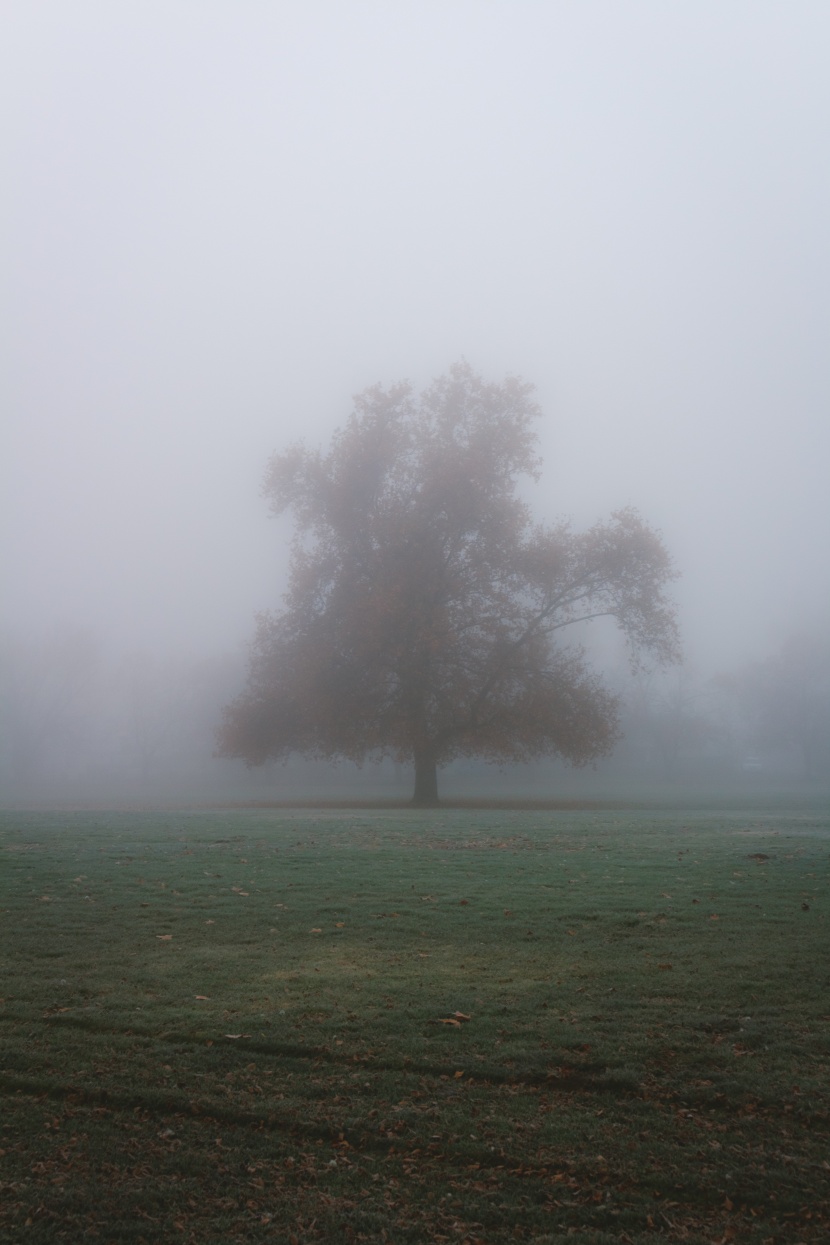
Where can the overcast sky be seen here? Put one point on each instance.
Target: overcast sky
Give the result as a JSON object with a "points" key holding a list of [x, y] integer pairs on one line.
{"points": [[228, 217]]}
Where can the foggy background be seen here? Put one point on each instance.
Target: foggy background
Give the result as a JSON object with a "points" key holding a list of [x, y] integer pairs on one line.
{"points": [[222, 220]]}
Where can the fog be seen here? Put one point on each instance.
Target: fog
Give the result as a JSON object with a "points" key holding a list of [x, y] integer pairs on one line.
{"points": [[224, 220]]}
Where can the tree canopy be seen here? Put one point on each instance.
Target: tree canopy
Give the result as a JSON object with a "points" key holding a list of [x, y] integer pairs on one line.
{"points": [[425, 608]]}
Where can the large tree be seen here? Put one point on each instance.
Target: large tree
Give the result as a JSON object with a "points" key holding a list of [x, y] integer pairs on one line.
{"points": [[425, 609]]}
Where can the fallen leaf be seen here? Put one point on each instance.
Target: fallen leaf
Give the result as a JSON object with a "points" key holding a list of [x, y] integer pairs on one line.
{"points": [[316, 931], [462, 902], [664, 967], [210, 922], [203, 997], [461, 1016], [234, 1036], [339, 924], [164, 937], [458, 1074], [450, 1020]]}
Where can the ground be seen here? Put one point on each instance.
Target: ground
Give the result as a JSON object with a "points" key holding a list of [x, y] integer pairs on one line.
{"points": [[592, 1025]]}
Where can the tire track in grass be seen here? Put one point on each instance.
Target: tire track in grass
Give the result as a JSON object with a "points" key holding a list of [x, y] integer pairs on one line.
{"points": [[587, 1078]]}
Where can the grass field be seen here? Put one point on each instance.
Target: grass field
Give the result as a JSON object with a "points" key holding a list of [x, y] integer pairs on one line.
{"points": [[591, 1025]]}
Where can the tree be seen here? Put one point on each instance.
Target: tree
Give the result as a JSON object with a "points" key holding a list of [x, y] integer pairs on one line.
{"points": [[785, 702], [666, 722], [424, 610]]}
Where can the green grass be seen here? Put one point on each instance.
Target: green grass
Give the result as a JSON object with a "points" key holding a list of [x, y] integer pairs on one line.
{"points": [[645, 1059]]}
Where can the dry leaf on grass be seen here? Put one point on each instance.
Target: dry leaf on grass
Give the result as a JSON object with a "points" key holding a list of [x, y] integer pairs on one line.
{"points": [[164, 937], [456, 1019]]}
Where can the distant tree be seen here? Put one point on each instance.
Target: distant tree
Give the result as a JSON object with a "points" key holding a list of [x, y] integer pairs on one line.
{"points": [[785, 702], [425, 608], [666, 721], [49, 689]]}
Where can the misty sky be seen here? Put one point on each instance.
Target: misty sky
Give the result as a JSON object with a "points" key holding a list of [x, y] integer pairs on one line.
{"points": [[225, 218]]}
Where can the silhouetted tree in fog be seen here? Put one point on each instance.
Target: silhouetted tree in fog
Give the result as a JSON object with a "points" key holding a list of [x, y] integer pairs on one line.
{"points": [[424, 611], [785, 702]]}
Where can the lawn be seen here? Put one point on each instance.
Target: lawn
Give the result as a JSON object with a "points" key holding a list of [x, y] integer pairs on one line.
{"points": [[592, 1025]]}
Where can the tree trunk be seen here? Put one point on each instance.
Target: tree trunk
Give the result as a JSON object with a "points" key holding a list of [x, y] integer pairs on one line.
{"points": [[426, 781]]}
